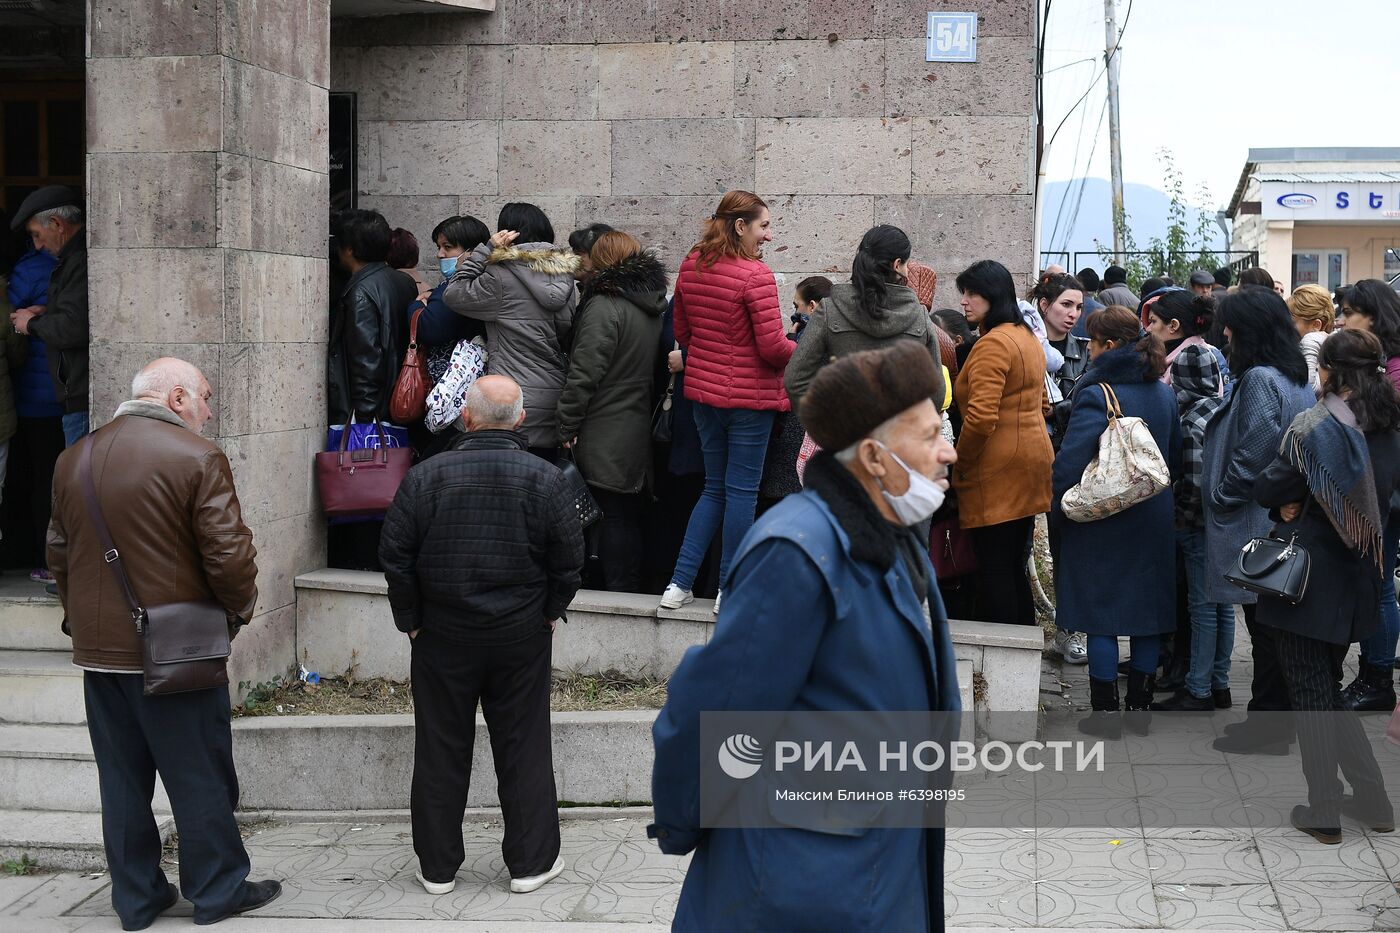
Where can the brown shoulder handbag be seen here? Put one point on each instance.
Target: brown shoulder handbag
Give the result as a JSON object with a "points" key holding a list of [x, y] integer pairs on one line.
{"points": [[184, 646], [410, 398]]}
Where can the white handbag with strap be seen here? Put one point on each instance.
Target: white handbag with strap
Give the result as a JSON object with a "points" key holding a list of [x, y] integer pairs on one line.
{"points": [[1128, 469]]}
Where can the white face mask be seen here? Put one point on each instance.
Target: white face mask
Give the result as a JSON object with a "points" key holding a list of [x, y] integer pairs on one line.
{"points": [[923, 498]]}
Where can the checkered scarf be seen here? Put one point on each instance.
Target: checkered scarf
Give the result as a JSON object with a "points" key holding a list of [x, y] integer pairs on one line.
{"points": [[1196, 380]]}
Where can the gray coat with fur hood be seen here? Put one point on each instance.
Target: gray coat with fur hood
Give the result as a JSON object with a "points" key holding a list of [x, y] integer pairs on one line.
{"points": [[526, 296]]}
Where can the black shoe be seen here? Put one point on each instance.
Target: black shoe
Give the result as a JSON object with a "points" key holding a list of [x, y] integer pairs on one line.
{"points": [[1137, 703], [172, 897], [1105, 721], [51, 589], [255, 894], [1123, 668], [1183, 701], [1175, 677], [1250, 743], [1301, 818], [1373, 690], [1221, 696], [1379, 818]]}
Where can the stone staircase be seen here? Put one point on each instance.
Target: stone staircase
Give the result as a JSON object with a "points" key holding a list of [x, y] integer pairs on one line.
{"points": [[49, 801]]}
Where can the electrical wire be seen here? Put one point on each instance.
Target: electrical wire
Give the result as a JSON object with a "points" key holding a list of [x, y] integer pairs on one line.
{"points": [[1073, 173], [1127, 17], [1079, 201]]}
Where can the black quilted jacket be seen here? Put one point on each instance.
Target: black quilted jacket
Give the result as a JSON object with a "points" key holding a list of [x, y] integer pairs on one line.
{"points": [[482, 545]]}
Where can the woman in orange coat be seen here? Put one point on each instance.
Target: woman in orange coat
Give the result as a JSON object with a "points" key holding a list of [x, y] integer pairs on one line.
{"points": [[1002, 476]]}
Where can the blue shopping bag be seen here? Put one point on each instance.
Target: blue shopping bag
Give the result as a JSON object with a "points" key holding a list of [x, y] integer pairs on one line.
{"points": [[364, 436]]}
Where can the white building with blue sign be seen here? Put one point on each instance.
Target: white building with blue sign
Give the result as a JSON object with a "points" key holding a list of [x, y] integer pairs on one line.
{"points": [[1327, 216]]}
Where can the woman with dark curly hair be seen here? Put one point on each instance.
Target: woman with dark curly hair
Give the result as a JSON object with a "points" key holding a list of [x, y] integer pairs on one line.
{"points": [[1331, 485]]}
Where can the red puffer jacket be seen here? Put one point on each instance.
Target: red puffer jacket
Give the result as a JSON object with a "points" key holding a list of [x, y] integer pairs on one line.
{"points": [[728, 318]]}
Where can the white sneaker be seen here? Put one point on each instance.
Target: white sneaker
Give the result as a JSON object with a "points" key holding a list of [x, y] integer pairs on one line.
{"points": [[675, 597], [1072, 647], [435, 887], [534, 882], [718, 594]]}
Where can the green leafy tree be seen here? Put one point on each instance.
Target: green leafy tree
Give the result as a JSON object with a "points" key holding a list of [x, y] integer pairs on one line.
{"points": [[1184, 249]]}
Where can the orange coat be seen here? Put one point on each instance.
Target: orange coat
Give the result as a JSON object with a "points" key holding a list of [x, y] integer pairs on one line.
{"points": [[1004, 452]]}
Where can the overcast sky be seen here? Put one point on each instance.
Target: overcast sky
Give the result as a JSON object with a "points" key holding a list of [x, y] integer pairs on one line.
{"points": [[1209, 79]]}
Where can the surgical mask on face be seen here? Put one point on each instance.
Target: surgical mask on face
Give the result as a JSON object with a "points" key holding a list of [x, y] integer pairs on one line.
{"points": [[448, 266], [923, 498]]}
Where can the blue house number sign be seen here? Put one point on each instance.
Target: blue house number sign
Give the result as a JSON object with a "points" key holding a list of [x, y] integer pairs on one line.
{"points": [[952, 37]]}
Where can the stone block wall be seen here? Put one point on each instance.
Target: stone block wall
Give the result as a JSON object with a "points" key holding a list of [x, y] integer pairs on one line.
{"points": [[207, 198], [640, 114]]}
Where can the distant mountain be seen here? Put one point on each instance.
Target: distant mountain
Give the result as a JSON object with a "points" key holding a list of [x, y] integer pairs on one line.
{"points": [[1146, 208]]}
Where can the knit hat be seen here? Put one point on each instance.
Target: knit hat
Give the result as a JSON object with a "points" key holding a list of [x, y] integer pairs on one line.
{"points": [[856, 394], [1115, 275]]}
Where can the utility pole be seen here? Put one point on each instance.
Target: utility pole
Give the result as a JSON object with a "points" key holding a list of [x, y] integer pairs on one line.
{"points": [[1115, 147]]}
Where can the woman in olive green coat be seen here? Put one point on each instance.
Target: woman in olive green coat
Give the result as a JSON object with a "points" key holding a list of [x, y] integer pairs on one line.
{"points": [[604, 412], [875, 309]]}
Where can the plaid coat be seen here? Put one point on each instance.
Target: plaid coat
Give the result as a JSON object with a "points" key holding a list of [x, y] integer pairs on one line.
{"points": [[1196, 379]]}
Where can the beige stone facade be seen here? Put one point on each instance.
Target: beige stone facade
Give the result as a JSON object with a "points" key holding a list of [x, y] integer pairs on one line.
{"points": [[208, 174], [641, 114]]}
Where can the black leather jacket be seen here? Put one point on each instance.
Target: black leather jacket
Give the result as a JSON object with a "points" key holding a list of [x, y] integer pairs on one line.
{"points": [[368, 338]]}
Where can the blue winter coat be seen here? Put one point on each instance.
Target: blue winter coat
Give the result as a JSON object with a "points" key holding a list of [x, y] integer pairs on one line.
{"points": [[1241, 440], [1117, 576], [805, 626], [29, 285]]}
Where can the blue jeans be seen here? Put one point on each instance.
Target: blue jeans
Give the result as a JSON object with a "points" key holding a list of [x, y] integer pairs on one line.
{"points": [[1212, 624], [734, 442], [1379, 648], [75, 427], [1103, 655]]}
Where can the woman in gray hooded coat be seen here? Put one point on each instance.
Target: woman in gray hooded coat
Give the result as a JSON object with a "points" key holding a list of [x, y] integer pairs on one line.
{"points": [[523, 289], [876, 308]]}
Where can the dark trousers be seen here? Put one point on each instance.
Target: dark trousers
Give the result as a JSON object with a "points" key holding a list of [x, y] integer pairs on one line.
{"points": [[354, 545], [1268, 692], [186, 738], [29, 489], [620, 539], [1003, 591], [512, 683], [1328, 736]]}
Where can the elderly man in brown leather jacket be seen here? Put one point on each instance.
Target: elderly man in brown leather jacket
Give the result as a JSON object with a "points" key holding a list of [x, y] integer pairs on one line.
{"points": [[167, 496]]}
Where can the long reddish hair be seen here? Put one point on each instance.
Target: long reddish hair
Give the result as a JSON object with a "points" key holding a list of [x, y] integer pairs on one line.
{"points": [[720, 237]]}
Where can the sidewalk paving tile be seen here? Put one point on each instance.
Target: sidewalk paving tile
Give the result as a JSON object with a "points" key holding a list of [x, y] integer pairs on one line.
{"points": [[1218, 906], [1114, 904], [1297, 857], [1205, 861], [1091, 858], [1356, 905]]}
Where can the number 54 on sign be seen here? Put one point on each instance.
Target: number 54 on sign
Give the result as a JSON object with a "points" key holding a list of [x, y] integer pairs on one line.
{"points": [[952, 37]]}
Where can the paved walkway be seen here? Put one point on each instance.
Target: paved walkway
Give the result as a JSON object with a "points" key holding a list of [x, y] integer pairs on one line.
{"points": [[1265, 879], [1263, 876]]}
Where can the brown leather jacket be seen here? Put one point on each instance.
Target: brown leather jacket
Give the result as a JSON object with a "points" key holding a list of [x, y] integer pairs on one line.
{"points": [[167, 495]]}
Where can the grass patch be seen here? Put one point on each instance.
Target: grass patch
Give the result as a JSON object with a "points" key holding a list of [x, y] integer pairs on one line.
{"points": [[350, 695], [24, 865]]}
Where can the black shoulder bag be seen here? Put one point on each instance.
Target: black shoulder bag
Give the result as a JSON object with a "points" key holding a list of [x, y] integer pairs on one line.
{"points": [[1273, 567], [184, 646]]}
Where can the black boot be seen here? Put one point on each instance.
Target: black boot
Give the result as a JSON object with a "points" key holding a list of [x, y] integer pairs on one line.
{"points": [[1379, 816], [1105, 721], [1221, 695], [1357, 686], [1138, 702], [1174, 677], [1376, 691], [1183, 701]]}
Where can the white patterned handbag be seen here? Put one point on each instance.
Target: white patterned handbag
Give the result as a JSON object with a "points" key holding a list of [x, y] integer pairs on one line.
{"points": [[444, 403], [1128, 468]]}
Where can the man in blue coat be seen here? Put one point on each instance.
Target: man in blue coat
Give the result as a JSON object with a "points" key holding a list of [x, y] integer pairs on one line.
{"points": [[831, 605]]}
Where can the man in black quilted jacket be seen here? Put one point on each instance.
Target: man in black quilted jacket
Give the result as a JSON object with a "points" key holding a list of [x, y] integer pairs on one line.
{"points": [[483, 549]]}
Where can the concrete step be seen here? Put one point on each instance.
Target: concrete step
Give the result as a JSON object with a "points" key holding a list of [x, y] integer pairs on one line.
{"points": [[29, 617], [40, 686], [57, 840], [51, 767]]}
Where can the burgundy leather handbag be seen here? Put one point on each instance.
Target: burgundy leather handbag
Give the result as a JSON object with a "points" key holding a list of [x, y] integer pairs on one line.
{"points": [[950, 550], [361, 483]]}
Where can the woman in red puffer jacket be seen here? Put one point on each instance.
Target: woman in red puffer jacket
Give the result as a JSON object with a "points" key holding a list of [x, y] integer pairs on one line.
{"points": [[728, 320]]}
